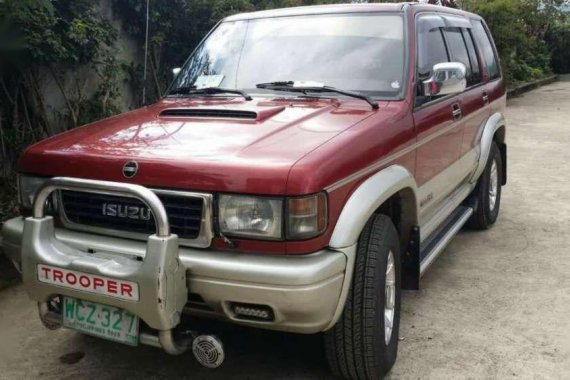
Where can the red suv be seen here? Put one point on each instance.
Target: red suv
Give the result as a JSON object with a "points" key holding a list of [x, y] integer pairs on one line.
{"points": [[305, 165]]}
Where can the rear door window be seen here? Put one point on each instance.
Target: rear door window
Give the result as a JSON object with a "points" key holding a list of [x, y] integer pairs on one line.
{"points": [[487, 50], [458, 50], [473, 58]]}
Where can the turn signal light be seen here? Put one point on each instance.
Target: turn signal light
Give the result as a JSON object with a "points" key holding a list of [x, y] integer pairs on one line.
{"points": [[306, 216]]}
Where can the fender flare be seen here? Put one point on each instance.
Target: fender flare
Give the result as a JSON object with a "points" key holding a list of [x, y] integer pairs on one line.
{"points": [[361, 205], [367, 198], [494, 123]]}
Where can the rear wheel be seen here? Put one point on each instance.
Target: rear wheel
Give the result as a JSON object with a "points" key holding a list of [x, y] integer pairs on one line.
{"points": [[364, 343], [488, 192]]}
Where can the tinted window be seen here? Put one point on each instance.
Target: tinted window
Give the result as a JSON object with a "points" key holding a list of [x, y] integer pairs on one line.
{"points": [[457, 48], [431, 51], [475, 69], [486, 49]]}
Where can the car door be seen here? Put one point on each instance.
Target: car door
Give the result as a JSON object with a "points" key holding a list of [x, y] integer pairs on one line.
{"points": [[474, 100], [437, 120], [495, 86]]}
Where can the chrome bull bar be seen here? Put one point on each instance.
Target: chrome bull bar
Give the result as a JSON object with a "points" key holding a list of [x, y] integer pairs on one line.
{"points": [[107, 188], [160, 278]]}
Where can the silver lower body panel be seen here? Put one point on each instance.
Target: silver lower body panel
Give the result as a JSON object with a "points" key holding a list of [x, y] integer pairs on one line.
{"points": [[304, 291]]}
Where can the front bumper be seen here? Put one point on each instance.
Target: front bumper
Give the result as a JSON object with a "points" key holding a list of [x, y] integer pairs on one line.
{"points": [[304, 292]]}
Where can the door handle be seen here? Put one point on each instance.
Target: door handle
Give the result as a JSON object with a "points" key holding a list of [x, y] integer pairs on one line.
{"points": [[485, 97], [456, 111]]}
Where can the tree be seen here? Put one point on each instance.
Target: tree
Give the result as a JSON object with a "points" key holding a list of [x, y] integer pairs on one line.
{"points": [[47, 38], [519, 28]]}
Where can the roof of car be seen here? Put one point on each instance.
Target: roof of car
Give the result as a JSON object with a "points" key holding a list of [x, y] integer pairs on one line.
{"points": [[319, 9], [341, 8]]}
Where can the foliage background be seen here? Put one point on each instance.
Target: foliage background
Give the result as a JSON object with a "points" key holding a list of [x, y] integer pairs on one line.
{"points": [[67, 41]]}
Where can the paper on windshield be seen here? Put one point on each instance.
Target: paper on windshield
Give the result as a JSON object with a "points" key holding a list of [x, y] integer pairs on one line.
{"points": [[206, 81]]}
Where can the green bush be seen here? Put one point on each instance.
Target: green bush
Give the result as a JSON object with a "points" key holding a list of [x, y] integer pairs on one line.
{"points": [[519, 28], [558, 41]]}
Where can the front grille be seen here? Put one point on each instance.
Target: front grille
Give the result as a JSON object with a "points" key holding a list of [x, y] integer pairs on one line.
{"points": [[88, 209]]}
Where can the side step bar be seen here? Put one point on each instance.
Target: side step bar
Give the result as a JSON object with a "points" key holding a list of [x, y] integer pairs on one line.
{"points": [[434, 246]]}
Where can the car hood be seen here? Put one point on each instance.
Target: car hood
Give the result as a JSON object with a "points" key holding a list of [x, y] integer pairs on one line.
{"points": [[199, 144]]}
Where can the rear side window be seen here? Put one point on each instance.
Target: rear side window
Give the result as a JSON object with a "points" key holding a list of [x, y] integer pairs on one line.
{"points": [[487, 50], [475, 68]]}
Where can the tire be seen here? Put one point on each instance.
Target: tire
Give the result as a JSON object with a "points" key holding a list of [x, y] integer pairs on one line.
{"points": [[356, 347], [486, 210]]}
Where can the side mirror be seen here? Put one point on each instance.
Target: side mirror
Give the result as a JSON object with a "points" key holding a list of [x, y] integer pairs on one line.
{"points": [[176, 71], [448, 78]]}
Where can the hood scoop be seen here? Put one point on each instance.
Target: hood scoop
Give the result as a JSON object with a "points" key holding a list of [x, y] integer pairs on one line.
{"points": [[208, 112], [221, 113]]}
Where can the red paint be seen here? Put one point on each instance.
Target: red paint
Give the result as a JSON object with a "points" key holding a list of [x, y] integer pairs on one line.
{"points": [[71, 278], [112, 286], [126, 289], [57, 275], [46, 271], [98, 283], [291, 148]]}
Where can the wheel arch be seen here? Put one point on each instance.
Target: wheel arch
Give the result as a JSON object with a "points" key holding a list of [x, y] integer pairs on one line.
{"points": [[393, 190], [499, 139], [494, 131]]}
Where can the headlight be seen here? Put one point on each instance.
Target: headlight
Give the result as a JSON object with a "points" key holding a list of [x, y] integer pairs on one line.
{"points": [[255, 217], [28, 186], [263, 218]]}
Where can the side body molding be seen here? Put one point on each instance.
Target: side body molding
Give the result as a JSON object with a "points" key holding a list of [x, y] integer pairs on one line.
{"points": [[370, 195], [495, 122]]}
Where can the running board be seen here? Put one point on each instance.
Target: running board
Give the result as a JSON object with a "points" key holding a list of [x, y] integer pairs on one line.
{"points": [[434, 246]]}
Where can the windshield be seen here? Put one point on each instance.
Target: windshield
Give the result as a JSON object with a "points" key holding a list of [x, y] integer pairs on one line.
{"points": [[354, 52]]}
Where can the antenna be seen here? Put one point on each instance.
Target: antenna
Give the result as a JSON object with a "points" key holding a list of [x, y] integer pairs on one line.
{"points": [[145, 54]]}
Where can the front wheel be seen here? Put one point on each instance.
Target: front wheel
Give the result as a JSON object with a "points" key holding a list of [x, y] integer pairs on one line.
{"points": [[364, 343]]}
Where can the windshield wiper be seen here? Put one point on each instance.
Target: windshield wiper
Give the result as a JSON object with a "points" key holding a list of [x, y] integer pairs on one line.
{"points": [[305, 87], [192, 90]]}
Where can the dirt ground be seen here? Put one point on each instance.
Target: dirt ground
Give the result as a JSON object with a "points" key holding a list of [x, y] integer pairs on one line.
{"points": [[495, 305]]}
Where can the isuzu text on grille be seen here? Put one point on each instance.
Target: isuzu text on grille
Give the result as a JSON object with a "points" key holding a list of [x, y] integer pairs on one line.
{"points": [[88, 282], [124, 211]]}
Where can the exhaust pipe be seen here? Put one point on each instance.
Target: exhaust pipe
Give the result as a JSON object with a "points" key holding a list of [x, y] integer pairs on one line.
{"points": [[208, 351], [170, 345]]}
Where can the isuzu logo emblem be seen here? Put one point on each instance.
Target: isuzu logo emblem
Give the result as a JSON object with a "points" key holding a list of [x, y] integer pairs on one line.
{"points": [[130, 169], [126, 211]]}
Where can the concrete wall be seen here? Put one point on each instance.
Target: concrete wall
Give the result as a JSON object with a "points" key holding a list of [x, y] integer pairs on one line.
{"points": [[126, 49]]}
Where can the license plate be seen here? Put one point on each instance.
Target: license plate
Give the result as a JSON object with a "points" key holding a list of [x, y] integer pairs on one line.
{"points": [[102, 321]]}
